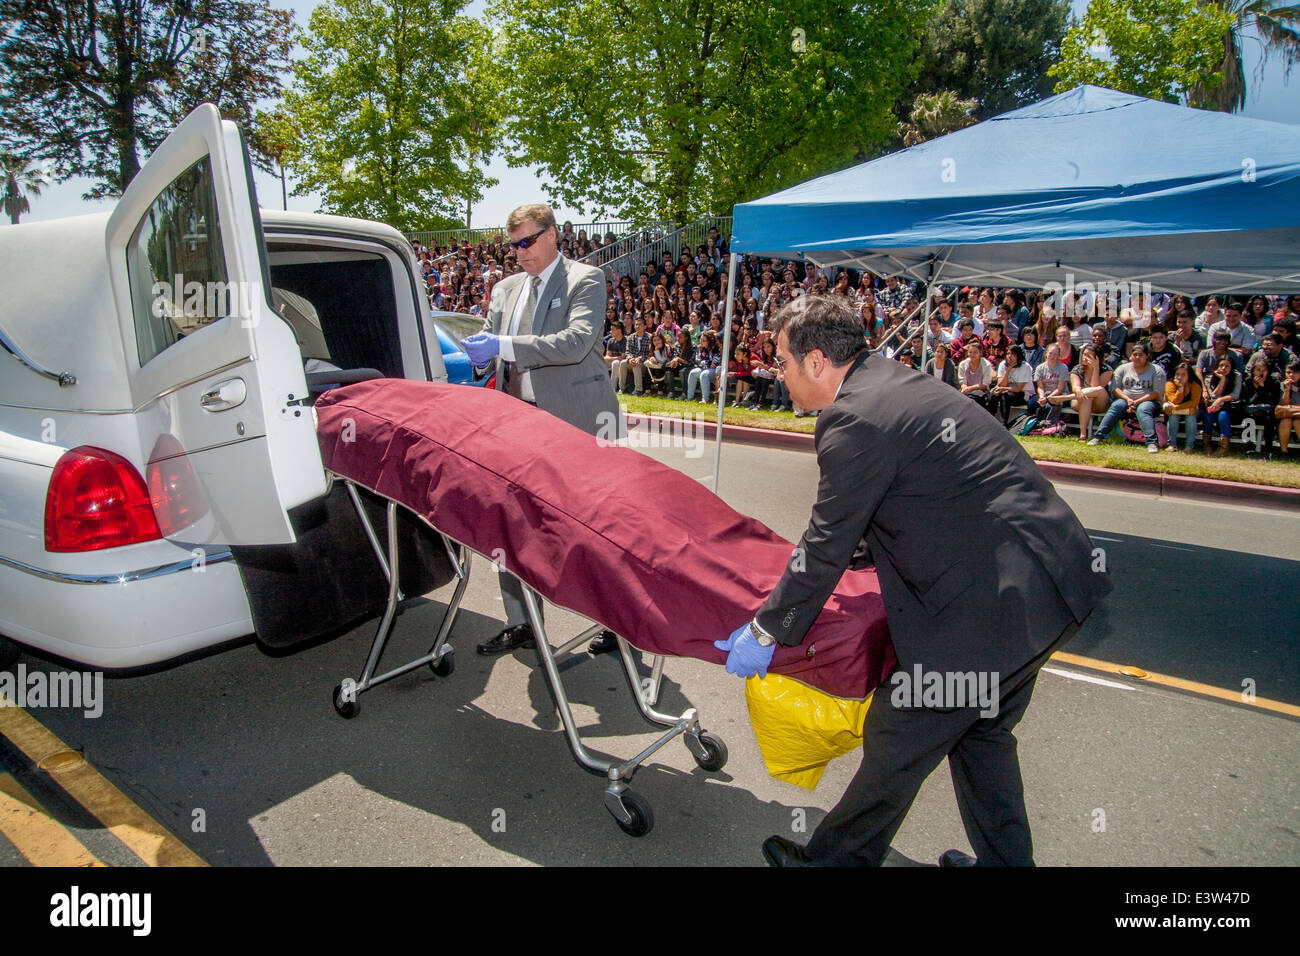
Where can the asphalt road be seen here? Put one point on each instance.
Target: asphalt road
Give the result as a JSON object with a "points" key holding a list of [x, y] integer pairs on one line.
{"points": [[473, 769]]}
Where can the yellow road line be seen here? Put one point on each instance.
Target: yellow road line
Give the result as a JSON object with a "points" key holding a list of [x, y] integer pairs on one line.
{"points": [[43, 841], [1124, 670], [142, 834]]}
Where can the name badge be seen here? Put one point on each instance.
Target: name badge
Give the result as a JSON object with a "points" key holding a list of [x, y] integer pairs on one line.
{"points": [[555, 303]]}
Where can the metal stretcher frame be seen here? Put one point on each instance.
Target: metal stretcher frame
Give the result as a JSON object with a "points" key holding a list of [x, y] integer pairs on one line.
{"points": [[630, 810]]}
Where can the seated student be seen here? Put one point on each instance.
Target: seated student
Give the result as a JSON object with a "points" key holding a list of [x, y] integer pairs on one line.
{"points": [[1222, 390], [1052, 387], [738, 372], [1014, 385], [1139, 387], [941, 367], [1272, 354], [1182, 406], [1285, 329], [966, 310], [1220, 346], [1109, 354], [680, 361], [656, 366], [1090, 386], [1260, 395], [1069, 351], [975, 376], [1242, 335], [763, 369], [1185, 336], [708, 360], [1288, 404], [957, 347], [937, 333], [1034, 353], [1162, 353], [616, 355], [995, 343]]}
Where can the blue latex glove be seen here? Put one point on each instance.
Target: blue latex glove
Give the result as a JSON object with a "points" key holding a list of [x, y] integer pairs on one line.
{"points": [[482, 348], [745, 656]]}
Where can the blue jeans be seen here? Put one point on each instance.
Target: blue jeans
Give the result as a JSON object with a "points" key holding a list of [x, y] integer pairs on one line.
{"points": [[1224, 421], [1188, 421], [780, 394], [704, 377], [1146, 416]]}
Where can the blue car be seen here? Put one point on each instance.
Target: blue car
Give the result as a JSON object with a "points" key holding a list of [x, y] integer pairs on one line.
{"points": [[451, 328]]}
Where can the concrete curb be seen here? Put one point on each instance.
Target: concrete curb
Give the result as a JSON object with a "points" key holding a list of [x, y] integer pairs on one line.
{"points": [[1173, 486]]}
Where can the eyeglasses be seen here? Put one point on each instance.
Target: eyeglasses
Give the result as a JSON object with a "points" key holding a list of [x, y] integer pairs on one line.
{"points": [[527, 241], [780, 363]]}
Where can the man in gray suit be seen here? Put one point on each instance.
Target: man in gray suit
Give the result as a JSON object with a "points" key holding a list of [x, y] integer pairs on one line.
{"points": [[983, 569], [543, 331]]}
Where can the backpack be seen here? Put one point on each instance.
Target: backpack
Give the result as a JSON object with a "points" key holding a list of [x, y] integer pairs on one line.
{"points": [[1132, 431], [1024, 424]]}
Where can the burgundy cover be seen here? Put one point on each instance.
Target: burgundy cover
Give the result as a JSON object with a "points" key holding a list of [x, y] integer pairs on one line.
{"points": [[605, 531]]}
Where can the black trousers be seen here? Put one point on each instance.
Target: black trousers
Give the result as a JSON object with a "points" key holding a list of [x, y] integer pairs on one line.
{"points": [[901, 746]]}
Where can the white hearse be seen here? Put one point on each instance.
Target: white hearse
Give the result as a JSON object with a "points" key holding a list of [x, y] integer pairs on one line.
{"points": [[161, 487]]}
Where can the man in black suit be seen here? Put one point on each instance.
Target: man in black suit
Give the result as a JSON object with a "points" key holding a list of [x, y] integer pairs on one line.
{"points": [[984, 571]]}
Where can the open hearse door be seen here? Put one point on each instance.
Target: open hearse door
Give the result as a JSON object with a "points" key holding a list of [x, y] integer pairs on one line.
{"points": [[216, 375]]}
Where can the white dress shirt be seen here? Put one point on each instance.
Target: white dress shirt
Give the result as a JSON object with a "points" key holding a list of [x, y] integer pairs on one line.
{"points": [[507, 345]]}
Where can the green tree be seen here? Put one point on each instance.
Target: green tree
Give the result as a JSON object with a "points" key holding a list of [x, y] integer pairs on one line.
{"points": [[390, 125], [1278, 28], [937, 114], [89, 84], [19, 178], [996, 52], [1164, 49], [675, 110]]}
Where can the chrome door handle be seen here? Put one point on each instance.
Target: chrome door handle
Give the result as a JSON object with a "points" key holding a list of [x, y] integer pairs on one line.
{"points": [[228, 394]]}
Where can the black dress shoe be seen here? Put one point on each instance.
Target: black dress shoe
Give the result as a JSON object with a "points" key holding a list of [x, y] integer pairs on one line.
{"points": [[521, 635], [778, 851], [603, 643], [956, 858]]}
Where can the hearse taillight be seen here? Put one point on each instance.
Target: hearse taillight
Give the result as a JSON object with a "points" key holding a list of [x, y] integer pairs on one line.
{"points": [[96, 500]]}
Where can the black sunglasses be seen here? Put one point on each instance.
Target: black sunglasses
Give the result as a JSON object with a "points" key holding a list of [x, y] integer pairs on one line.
{"points": [[527, 241]]}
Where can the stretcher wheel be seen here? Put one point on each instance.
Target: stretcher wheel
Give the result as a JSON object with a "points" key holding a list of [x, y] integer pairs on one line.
{"points": [[445, 665], [715, 753], [638, 808], [347, 709]]}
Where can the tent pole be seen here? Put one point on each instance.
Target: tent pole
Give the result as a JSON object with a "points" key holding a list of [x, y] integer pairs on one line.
{"points": [[733, 258]]}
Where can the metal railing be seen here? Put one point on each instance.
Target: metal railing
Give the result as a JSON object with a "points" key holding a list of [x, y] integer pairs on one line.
{"points": [[627, 242], [444, 237], [690, 236]]}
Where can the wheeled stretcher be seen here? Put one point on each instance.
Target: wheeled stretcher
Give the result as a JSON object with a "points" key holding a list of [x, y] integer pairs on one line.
{"points": [[633, 545]]}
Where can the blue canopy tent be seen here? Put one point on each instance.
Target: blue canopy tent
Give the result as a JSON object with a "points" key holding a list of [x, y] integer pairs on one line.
{"points": [[1089, 186], [1104, 185]]}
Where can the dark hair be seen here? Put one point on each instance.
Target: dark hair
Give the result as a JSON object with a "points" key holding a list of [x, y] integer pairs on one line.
{"points": [[1272, 337], [825, 323], [1236, 305], [1142, 346], [1018, 352], [1222, 336], [1293, 365]]}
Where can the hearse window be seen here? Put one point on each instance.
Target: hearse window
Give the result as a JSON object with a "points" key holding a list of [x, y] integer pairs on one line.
{"points": [[176, 265]]}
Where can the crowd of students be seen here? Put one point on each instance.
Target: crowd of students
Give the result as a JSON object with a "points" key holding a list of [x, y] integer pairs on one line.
{"points": [[1159, 367]]}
